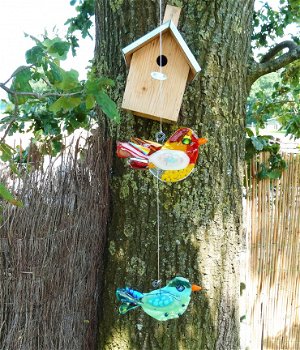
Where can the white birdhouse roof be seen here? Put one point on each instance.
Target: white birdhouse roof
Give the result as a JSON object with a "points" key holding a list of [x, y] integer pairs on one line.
{"points": [[169, 25]]}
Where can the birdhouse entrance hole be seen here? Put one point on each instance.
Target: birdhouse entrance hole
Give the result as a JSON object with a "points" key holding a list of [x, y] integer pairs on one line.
{"points": [[162, 60]]}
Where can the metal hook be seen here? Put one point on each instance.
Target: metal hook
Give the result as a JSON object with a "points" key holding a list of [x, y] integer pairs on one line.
{"points": [[160, 136], [156, 283]]}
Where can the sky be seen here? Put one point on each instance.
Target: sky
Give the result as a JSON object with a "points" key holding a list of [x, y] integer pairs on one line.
{"points": [[33, 17]]}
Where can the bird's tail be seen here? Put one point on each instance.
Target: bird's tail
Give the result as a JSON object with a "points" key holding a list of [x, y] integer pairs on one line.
{"points": [[138, 154], [129, 298], [131, 149], [123, 308]]}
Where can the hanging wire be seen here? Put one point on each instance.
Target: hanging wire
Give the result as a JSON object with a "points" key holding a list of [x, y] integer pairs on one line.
{"points": [[160, 137], [160, 58], [158, 229]]}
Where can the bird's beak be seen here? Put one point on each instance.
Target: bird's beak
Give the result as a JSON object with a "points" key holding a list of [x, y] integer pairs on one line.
{"points": [[202, 141], [196, 288]]}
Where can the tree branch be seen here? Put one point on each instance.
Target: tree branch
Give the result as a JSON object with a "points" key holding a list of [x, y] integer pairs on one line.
{"points": [[18, 70], [16, 112], [288, 44], [7, 129], [31, 94], [270, 64], [37, 95]]}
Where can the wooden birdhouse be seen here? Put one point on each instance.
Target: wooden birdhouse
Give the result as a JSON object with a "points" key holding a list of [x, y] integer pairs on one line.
{"points": [[160, 65]]}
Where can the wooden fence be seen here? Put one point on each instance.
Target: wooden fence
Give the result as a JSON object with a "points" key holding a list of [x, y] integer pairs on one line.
{"points": [[273, 279], [51, 252]]}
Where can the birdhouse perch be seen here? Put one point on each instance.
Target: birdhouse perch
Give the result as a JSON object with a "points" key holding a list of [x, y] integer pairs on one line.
{"points": [[159, 71]]}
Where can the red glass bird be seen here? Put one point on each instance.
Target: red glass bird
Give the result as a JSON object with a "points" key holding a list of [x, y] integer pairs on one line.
{"points": [[171, 162]]}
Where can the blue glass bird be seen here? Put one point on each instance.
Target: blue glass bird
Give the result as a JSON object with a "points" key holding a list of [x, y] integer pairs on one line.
{"points": [[162, 304]]}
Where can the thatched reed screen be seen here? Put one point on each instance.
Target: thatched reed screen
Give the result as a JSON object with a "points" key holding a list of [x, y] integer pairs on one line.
{"points": [[273, 232], [50, 262]]}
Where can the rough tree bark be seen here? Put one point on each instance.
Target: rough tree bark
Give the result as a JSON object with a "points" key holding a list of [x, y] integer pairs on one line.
{"points": [[201, 221]]}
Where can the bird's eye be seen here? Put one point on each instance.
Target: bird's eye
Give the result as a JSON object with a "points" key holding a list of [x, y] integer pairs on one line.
{"points": [[180, 288], [186, 140]]}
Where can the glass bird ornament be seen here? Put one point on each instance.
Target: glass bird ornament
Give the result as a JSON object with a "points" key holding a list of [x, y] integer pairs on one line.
{"points": [[173, 161], [162, 304]]}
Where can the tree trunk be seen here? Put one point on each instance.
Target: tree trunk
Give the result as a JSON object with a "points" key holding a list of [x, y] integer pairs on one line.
{"points": [[200, 217]]}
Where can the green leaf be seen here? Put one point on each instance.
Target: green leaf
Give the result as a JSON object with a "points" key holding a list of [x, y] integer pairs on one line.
{"points": [[275, 148], [250, 150], [74, 44], [55, 74], [82, 22], [36, 76], [249, 132], [95, 87], [275, 174], [57, 48], [65, 103], [69, 80], [35, 55], [60, 49], [258, 144], [263, 173], [56, 147], [92, 86], [6, 195], [14, 169], [6, 152], [107, 105], [23, 75], [90, 102], [21, 83]]}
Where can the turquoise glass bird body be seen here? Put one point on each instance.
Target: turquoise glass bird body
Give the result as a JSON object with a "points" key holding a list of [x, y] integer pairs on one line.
{"points": [[162, 304]]}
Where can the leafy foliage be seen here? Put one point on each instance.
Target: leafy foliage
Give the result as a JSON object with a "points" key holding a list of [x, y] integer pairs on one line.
{"points": [[6, 155], [277, 96], [256, 144], [6, 195], [289, 93], [269, 22], [49, 101], [261, 96], [82, 22]]}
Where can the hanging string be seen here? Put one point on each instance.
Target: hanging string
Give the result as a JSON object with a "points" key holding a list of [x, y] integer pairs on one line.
{"points": [[160, 137], [160, 58], [158, 230]]}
